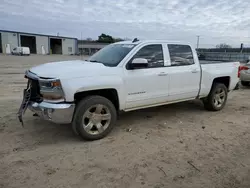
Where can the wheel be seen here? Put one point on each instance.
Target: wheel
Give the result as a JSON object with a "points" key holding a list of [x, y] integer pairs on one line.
{"points": [[244, 83], [217, 97], [94, 117]]}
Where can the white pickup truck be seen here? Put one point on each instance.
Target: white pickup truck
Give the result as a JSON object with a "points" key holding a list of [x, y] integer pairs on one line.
{"points": [[124, 76]]}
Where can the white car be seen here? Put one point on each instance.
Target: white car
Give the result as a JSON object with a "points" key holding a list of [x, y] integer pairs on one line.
{"points": [[124, 76], [21, 51], [245, 74]]}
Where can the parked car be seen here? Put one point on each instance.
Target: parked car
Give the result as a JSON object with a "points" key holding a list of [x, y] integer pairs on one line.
{"points": [[21, 51], [245, 74], [122, 77]]}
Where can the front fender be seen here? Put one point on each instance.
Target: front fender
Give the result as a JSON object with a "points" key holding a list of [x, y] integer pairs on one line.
{"points": [[76, 85]]}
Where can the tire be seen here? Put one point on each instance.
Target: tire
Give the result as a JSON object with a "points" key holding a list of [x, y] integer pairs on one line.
{"points": [[244, 83], [87, 113], [210, 101]]}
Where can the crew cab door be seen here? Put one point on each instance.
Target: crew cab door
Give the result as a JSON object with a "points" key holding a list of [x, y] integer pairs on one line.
{"points": [[148, 85], [184, 72]]}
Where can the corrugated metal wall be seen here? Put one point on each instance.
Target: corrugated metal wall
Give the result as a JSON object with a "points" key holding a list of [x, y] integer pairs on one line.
{"points": [[42, 41], [9, 38], [68, 46]]}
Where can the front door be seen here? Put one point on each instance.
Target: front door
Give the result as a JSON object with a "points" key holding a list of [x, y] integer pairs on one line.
{"points": [[147, 86], [184, 73]]}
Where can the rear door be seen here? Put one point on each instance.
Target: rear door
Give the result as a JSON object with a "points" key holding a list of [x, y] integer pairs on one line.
{"points": [[184, 72], [149, 85]]}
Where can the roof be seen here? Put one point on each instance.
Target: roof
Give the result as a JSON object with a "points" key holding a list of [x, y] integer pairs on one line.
{"points": [[25, 33]]}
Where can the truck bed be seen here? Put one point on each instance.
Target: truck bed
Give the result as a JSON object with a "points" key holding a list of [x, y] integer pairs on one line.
{"points": [[214, 69]]}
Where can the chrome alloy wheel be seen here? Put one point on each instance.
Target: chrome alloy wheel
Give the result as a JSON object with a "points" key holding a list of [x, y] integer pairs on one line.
{"points": [[219, 97], [96, 119]]}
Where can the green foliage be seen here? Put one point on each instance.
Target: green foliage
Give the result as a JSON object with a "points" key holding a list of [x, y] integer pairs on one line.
{"points": [[103, 38]]}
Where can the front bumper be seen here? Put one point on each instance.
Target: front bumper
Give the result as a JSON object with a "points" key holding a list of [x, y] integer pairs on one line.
{"points": [[61, 113]]}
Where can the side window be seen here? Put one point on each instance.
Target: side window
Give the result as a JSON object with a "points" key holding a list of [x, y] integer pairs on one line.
{"points": [[153, 53], [180, 55]]}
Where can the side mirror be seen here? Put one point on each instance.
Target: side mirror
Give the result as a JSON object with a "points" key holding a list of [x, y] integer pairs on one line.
{"points": [[139, 63]]}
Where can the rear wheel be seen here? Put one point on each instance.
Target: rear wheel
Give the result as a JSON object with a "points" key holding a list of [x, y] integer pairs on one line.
{"points": [[244, 83], [217, 98], [94, 118]]}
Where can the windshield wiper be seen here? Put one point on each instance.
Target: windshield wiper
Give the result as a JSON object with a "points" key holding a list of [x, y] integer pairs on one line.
{"points": [[94, 61]]}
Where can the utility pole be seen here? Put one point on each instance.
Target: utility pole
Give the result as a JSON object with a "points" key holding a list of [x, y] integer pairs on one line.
{"points": [[198, 41]]}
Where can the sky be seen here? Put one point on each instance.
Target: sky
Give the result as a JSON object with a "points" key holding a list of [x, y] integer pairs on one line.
{"points": [[215, 21]]}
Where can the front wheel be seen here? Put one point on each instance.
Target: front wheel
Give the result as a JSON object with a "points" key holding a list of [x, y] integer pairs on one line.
{"points": [[94, 117], [217, 98]]}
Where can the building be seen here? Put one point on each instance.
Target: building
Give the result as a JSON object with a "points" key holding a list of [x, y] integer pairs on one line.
{"points": [[38, 43], [89, 47]]}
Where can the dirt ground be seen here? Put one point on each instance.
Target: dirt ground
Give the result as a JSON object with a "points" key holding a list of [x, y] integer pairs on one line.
{"points": [[174, 146]]}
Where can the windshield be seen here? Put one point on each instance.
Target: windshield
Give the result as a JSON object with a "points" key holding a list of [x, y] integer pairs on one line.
{"points": [[112, 54]]}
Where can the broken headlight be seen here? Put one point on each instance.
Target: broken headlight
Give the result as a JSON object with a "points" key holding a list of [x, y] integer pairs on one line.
{"points": [[51, 90]]}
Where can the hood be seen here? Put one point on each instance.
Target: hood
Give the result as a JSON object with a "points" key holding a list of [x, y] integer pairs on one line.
{"points": [[66, 69]]}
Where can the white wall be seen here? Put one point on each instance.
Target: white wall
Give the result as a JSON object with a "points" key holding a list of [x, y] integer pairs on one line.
{"points": [[66, 44], [9, 38], [42, 41]]}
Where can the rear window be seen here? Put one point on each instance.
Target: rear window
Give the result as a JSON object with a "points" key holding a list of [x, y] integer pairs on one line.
{"points": [[180, 55]]}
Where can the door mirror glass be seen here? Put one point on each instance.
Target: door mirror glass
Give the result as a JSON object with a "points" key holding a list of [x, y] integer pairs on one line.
{"points": [[140, 61]]}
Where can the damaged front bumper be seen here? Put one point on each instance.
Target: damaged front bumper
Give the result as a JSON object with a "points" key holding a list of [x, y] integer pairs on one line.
{"points": [[61, 113], [55, 112]]}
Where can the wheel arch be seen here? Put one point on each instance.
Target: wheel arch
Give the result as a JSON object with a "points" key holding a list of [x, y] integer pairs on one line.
{"points": [[109, 93], [222, 80]]}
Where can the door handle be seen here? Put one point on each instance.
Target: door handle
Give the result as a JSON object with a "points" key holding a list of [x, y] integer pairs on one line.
{"points": [[162, 74], [194, 71]]}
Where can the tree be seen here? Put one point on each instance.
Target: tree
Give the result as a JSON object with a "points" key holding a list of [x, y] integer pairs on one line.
{"points": [[223, 45], [103, 38]]}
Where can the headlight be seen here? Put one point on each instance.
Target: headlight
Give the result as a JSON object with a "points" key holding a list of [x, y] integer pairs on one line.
{"points": [[51, 90]]}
